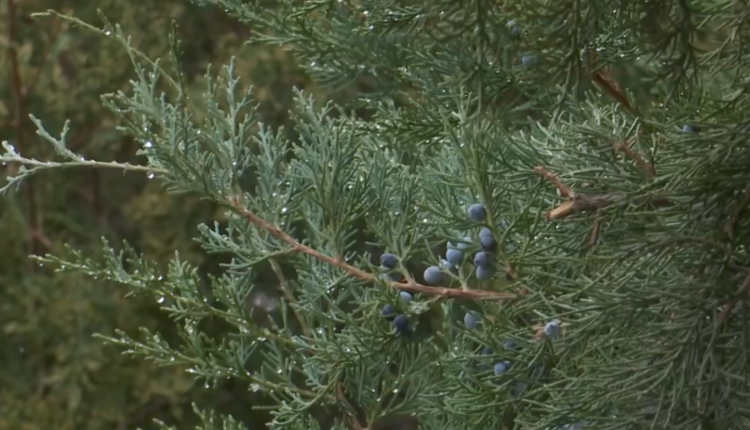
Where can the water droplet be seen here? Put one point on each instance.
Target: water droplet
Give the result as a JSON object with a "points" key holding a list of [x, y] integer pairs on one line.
{"points": [[151, 175]]}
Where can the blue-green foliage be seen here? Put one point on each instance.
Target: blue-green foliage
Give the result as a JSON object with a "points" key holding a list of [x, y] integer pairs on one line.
{"points": [[621, 238]]}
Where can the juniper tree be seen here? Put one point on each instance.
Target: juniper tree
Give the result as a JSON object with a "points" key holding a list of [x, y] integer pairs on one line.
{"points": [[605, 142]]}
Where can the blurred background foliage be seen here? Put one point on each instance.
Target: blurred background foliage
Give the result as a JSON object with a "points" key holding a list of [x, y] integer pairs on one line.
{"points": [[54, 374]]}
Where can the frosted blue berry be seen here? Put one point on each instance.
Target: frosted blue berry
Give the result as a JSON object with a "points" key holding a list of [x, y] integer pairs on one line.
{"points": [[509, 344], [462, 245], [406, 297], [484, 272], [388, 260], [502, 367], [433, 275], [445, 264], [477, 212], [482, 259], [454, 256], [470, 320], [688, 128], [514, 30], [487, 239], [388, 311], [529, 60], [504, 224], [552, 329], [401, 323], [487, 350]]}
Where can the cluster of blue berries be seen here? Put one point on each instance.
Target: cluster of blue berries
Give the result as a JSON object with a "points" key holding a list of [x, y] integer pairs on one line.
{"points": [[455, 254], [551, 330], [400, 321], [389, 263]]}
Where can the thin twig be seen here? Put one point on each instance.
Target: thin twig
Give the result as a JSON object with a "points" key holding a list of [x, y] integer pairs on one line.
{"points": [[595, 231], [361, 274], [37, 240], [739, 295], [602, 76], [648, 167], [576, 203], [565, 191], [284, 285], [735, 220], [352, 419]]}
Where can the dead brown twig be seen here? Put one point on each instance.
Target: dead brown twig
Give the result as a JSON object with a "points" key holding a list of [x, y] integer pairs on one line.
{"points": [[602, 76], [411, 285], [648, 167], [576, 203]]}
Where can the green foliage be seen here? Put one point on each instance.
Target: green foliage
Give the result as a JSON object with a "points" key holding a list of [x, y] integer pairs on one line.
{"points": [[609, 216], [53, 372]]}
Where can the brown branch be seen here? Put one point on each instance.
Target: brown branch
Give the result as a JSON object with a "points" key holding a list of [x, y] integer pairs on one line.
{"points": [[284, 285], [648, 167], [595, 231], [565, 191], [351, 419], [36, 237], [411, 286], [577, 202], [739, 295], [602, 76]]}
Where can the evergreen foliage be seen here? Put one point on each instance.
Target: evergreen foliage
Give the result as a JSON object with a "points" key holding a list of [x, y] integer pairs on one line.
{"points": [[53, 373], [606, 141]]}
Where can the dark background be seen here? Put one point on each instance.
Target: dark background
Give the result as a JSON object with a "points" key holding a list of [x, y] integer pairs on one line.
{"points": [[53, 373]]}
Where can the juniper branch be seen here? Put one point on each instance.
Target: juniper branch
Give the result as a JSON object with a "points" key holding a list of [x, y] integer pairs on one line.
{"points": [[412, 286]]}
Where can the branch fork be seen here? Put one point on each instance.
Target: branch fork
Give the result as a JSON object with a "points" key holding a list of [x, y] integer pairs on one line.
{"points": [[576, 203]]}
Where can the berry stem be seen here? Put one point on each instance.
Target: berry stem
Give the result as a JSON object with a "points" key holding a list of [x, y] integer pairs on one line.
{"points": [[409, 285]]}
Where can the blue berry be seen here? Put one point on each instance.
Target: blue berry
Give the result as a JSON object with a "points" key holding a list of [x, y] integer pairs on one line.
{"points": [[487, 239], [406, 297], [484, 272], [515, 30], [401, 323], [388, 311], [487, 350], [509, 344], [529, 60], [388, 260], [504, 224], [552, 329], [470, 320], [688, 128], [454, 256], [477, 212], [433, 275], [483, 259], [502, 367], [445, 264]]}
